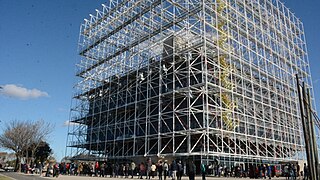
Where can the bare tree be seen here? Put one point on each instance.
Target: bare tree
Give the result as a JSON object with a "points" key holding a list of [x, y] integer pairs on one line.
{"points": [[40, 130], [18, 136]]}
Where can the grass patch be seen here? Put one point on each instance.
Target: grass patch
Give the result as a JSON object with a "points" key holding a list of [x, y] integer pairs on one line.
{"points": [[4, 177]]}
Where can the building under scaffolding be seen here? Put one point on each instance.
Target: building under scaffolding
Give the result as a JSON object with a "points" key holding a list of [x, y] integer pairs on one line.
{"points": [[201, 79]]}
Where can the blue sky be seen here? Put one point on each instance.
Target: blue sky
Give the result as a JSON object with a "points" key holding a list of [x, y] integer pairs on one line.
{"points": [[38, 53]]}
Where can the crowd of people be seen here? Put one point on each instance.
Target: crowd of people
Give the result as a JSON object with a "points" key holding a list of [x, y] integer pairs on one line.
{"points": [[147, 170], [162, 170], [47, 169]]}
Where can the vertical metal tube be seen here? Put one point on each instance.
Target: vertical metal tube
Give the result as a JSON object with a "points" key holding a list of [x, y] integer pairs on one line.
{"points": [[313, 137], [304, 126], [309, 137]]}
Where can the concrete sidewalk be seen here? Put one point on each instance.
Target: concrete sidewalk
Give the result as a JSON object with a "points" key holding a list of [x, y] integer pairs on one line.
{"points": [[23, 176], [136, 178]]}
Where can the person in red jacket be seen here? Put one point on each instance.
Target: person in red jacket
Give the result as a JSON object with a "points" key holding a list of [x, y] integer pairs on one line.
{"points": [[68, 168], [96, 169]]}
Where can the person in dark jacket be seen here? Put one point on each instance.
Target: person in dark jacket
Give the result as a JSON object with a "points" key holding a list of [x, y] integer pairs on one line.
{"points": [[191, 170], [102, 169], [174, 170], [305, 172], [179, 170], [160, 169]]}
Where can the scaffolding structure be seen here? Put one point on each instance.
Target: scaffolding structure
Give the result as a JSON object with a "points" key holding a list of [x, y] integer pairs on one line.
{"points": [[181, 78]]}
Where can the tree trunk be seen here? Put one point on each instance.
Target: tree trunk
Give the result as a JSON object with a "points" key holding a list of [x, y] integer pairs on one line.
{"points": [[27, 157], [17, 166]]}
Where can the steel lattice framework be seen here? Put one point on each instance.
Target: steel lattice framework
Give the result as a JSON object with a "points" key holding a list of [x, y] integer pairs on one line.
{"points": [[211, 78]]}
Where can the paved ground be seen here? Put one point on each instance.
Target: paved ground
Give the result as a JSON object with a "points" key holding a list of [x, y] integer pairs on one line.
{"points": [[20, 176]]}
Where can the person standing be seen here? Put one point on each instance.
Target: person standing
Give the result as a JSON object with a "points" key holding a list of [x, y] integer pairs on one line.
{"points": [[179, 170], [44, 171], [102, 169], [132, 167], [121, 170], [305, 172], [174, 170], [117, 167], [219, 170], [165, 169], [191, 170], [96, 168], [153, 170], [148, 168], [269, 171], [294, 171], [80, 169], [56, 170], [286, 171], [203, 171], [265, 171], [68, 168], [75, 167], [142, 169], [290, 171], [126, 170], [160, 169], [112, 170]]}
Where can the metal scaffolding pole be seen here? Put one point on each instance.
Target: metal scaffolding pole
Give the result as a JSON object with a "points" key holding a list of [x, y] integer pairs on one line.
{"points": [[308, 129], [313, 137]]}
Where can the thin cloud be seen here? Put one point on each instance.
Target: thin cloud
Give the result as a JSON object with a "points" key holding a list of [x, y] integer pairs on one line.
{"points": [[19, 92], [316, 81], [62, 109], [69, 123]]}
